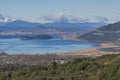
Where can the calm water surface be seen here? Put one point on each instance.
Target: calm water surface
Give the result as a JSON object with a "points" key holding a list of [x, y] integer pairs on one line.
{"points": [[17, 46]]}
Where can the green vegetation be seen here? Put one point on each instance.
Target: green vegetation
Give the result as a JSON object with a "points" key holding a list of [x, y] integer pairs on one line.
{"points": [[102, 68], [44, 36]]}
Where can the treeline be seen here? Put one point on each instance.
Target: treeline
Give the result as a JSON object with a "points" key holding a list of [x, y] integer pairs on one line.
{"points": [[101, 68]]}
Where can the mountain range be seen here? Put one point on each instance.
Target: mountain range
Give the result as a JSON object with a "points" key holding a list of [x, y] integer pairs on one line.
{"points": [[19, 25]]}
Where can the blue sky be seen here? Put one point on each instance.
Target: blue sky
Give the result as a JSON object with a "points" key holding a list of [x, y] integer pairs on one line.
{"points": [[32, 10]]}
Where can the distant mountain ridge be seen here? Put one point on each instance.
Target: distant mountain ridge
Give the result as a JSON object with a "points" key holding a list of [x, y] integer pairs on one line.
{"points": [[109, 33], [75, 27], [21, 23], [17, 25], [59, 26]]}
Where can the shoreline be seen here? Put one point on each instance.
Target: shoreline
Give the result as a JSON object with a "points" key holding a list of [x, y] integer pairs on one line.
{"points": [[88, 52], [35, 59], [94, 52]]}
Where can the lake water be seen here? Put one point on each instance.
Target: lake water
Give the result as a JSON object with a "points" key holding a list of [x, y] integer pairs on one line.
{"points": [[17, 46]]}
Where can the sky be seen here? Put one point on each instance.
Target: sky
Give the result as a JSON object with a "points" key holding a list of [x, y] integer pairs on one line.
{"points": [[51, 10]]}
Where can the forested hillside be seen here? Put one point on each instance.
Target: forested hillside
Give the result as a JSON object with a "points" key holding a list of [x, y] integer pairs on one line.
{"points": [[101, 68], [109, 33]]}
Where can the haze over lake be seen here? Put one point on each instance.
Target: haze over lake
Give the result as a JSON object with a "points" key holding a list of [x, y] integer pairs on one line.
{"points": [[17, 46]]}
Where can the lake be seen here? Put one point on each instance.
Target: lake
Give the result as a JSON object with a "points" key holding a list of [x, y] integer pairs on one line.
{"points": [[17, 46]]}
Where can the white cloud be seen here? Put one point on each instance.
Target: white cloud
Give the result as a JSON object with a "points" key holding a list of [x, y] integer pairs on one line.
{"points": [[61, 17], [5, 19]]}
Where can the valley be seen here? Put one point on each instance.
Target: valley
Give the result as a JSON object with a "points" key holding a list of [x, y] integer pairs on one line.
{"points": [[59, 40]]}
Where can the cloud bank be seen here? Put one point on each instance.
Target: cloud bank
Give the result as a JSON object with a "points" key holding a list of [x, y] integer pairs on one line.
{"points": [[5, 19], [61, 17]]}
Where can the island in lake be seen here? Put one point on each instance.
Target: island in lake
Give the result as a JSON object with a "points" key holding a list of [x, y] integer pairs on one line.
{"points": [[43, 36]]}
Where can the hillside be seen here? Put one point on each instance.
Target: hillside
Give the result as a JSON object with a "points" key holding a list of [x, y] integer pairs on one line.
{"points": [[101, 68], [109, 33]]}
